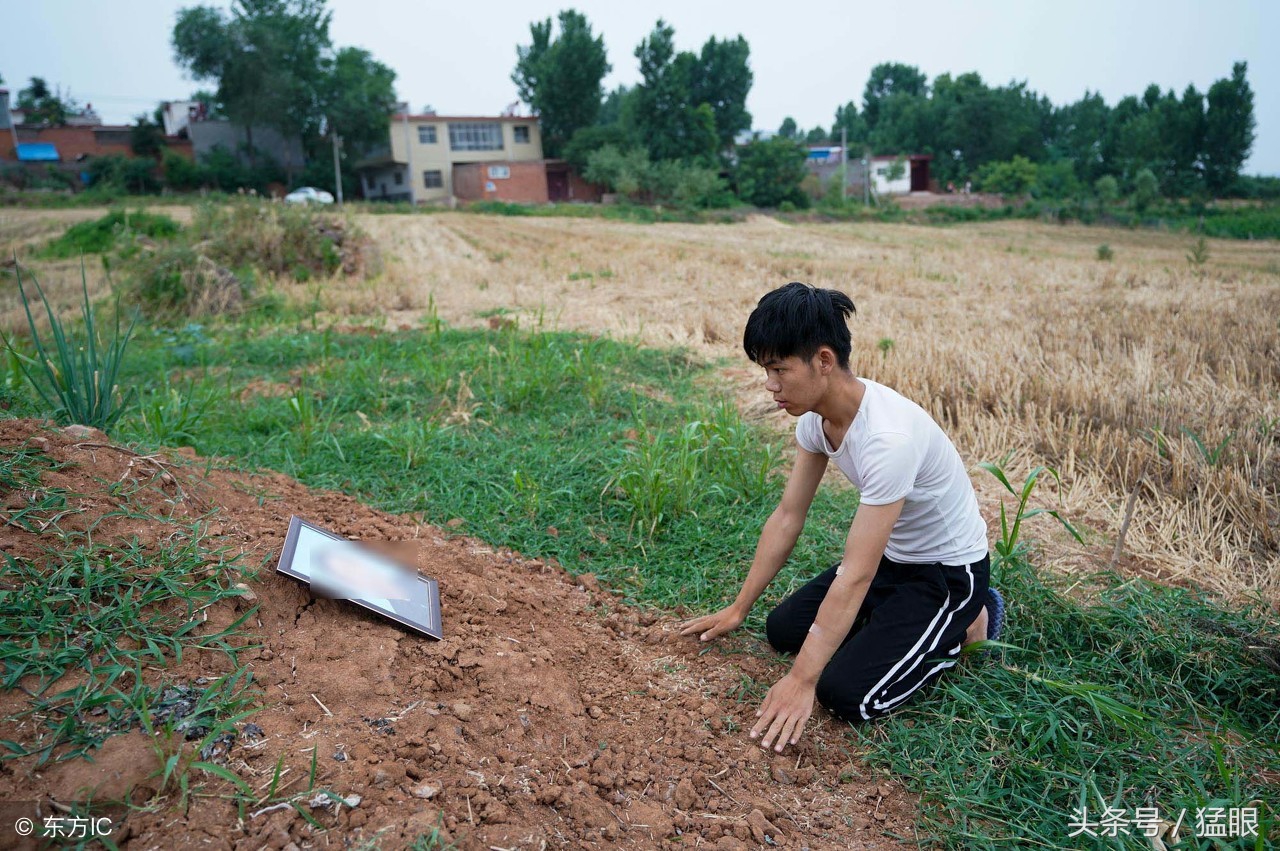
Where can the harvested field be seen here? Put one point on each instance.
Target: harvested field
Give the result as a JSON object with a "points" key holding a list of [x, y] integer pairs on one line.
{"points": [[1145, 374], [549, 716]]}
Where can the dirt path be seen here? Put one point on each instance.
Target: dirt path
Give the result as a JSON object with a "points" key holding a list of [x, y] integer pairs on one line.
{"points": [[549, 716]]}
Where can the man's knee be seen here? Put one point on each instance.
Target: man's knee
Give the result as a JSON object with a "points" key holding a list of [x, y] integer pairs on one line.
{"points": [[784, 634], [843, 698]]}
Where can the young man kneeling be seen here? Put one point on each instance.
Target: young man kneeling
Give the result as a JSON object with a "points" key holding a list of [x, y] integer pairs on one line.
{"points": [[911, 588]]}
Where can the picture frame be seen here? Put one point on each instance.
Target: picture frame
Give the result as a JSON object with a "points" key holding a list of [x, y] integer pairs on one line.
{"points": [[335, 567]]}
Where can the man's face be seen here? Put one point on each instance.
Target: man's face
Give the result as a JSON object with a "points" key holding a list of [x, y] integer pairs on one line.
{"points": [[795, 384]]}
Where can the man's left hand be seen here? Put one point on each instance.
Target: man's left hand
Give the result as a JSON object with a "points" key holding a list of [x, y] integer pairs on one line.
{"points": [[785, 711]]}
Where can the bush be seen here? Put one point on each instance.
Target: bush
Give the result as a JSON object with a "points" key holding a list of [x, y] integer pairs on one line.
{"points": [[180, 173], [1015, 177], [135, 175], [99, 235], [216, 267], [618, 170], [1105, 253], [1107, 189], [630, 173], [1146, 189]]}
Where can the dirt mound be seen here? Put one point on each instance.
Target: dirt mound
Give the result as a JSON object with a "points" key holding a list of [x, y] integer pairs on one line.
{"points": [[549, 716]]}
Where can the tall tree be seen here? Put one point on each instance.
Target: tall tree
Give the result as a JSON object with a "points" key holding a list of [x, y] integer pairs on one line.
{"points": [[853, 125], [1228, 130], [890, 78], [722, 78], [671, 125], [266, 56], [561, 78], [357, 93], [788, 128]]}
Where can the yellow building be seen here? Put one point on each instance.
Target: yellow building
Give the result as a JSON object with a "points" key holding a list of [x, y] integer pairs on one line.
{"points": [[417, 163]]}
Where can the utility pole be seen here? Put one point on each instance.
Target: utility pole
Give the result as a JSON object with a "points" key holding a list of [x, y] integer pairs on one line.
{"points": [[337, 170], [844, 163], [408, 147]]}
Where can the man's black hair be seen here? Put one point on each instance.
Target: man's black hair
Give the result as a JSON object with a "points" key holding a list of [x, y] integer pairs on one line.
{"points": [[798, 319]]}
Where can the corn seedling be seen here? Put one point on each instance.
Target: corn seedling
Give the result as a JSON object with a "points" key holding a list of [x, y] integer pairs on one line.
{"points": [[1213, 456], [1010, 533], [77, 377]]}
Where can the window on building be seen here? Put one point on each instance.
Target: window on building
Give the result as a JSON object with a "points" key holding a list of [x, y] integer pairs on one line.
{"points": [[499, 172], [398, 178], [475, 136], [426, 134], [433, 179], [522, 134]]}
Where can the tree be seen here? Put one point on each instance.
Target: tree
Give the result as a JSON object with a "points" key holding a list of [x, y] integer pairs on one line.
{"points": [[356, 95], [146, 137], [853, 125], [722, 79], [560, 78], [266, 56], [890, 78], [788, 128], [1107, 189], [671, 125], [41, 105], [770, 172], [1228, 129]]}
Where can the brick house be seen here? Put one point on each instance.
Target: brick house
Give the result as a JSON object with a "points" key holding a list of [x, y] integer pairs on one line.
{"points": [[436, 159]]}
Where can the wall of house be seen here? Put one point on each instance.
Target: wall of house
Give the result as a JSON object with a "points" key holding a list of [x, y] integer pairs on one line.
{"points": [[206, 135], [380, 184], [73, 142], [526, 182], [883, 186]]}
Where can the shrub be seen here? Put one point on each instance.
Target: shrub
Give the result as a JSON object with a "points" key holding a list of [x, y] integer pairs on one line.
{"points": [[1146, 189], [1107, 189], [618, 170], [180, 173], [1015, 177], [1105, 253], [99, 235]]}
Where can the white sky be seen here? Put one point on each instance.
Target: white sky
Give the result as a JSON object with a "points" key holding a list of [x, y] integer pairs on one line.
{"points": [[807, 58]]}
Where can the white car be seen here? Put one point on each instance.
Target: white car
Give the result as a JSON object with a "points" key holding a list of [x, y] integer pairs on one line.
{"points": [[309, 195]]}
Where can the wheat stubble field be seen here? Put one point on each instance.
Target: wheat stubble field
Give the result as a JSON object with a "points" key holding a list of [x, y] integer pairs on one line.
{"points": [[1145, 375]]}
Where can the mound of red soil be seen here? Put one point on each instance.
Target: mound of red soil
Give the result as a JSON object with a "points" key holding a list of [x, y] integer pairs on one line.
{"points": [[549, 716]]}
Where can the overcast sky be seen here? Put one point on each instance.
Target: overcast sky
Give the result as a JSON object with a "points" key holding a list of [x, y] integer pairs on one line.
{"points": [[807, 58]]}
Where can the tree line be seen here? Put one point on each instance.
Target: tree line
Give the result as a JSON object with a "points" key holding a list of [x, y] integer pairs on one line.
{"points": [[688, 107]]}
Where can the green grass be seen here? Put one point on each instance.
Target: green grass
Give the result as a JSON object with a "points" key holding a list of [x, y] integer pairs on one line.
{"points": [[81, 622], [618, 461], [100, 235]]}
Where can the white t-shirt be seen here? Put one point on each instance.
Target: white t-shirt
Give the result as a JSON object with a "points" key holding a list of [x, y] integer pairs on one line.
{"points": [[894, 450]]}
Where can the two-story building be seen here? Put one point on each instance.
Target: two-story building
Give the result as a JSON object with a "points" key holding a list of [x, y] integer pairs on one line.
{"points": [[437, 159]]}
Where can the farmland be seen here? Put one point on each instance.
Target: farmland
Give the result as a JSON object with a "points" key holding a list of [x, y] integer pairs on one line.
{"points": [[532, 381]]}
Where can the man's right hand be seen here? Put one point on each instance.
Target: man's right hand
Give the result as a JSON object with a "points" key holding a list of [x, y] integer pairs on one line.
{"points": [[712, 626]]}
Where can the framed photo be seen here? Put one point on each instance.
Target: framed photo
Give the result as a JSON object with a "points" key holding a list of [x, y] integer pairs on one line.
{"points": [[340, 569]]}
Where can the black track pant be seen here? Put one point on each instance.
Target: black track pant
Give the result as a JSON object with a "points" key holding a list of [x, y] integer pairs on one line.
{"points": [[909, 629]]}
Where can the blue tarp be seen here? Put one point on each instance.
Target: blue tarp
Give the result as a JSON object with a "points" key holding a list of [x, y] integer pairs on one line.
{"points": [[37, 152]]}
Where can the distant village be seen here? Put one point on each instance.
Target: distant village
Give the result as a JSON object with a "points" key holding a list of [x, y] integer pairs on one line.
{"points": [[426, 159]]}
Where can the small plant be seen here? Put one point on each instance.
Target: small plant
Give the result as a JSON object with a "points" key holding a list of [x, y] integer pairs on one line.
{"points": [[1211, 456], [1007, 546], [1105, 253], [885, 346], [1199, 253], [78, 377]]}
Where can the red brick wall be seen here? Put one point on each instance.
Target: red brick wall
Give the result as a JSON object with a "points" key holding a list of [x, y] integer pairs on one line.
{"points": [[527, 183], [71, 142]]}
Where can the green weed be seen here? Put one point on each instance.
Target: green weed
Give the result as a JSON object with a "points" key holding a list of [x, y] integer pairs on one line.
{"points": [[1008, 544], [75, 374]]}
